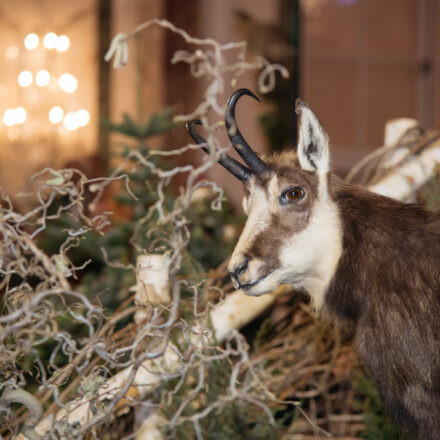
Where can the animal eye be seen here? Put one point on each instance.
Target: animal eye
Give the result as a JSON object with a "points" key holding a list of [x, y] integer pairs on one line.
{"points": [[293, 194]]}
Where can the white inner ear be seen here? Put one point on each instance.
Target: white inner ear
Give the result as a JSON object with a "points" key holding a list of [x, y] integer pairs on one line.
{"points": [[313, 151]]}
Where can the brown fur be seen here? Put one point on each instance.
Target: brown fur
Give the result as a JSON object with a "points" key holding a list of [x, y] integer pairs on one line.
{"points": [[387, 291]]}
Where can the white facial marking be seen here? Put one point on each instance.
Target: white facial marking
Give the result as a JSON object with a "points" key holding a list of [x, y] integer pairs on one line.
{"points": [[310, 257], [245, 204]]}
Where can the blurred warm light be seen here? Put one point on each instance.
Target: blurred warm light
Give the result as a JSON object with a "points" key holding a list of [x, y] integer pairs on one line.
{"points": [[56, 115], [20, 115], [42, 78], [67, 83], [74, 120], [50, 40], [63, 43], [12, 52], [70, 121], [25, 78], [82, 117], [8, 117], [14, 116], [31, 41]]}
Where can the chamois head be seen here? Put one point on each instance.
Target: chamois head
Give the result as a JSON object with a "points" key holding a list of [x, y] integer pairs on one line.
{"points": [[292, 235]]}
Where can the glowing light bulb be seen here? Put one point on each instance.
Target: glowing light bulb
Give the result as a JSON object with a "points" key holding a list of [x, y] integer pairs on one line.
{"points": [[12, 52], [20, 115], [25, 78], [42, 78], [14, 116], [50, 40], [31, 41], [9, 117], [56, 115], [67, 83], [70, 121], [63, 43], [82, 117]]}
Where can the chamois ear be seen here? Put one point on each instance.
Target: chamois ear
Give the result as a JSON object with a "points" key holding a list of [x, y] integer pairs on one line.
{"points": [[313, 151]]}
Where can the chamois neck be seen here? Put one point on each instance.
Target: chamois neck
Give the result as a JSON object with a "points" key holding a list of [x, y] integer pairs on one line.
{"points": [[379, 235]]}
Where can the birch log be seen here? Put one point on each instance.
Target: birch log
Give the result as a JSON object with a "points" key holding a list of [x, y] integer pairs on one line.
{"points": [[153, 283], [405, 180], [237, 309]]}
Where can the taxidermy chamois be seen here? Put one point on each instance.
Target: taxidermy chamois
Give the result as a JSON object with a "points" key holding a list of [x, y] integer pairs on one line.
{"points": [[369, 263]]}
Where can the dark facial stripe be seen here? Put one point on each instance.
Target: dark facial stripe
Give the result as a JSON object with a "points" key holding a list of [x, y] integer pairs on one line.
{"points": [[266, 244]]}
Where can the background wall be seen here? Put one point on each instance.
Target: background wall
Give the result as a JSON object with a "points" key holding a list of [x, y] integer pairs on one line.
{"points": [[367, 61]]}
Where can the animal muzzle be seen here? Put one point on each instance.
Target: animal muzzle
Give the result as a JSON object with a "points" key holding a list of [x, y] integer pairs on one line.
{"points": [[245, 272], [238, 270]]}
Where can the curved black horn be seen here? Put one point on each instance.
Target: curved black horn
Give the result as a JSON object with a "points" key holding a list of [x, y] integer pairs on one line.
{"points": [[236, 168], [236, 138]]}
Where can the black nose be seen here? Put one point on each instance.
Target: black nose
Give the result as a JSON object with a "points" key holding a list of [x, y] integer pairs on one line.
{"points": [[240, 268]]}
